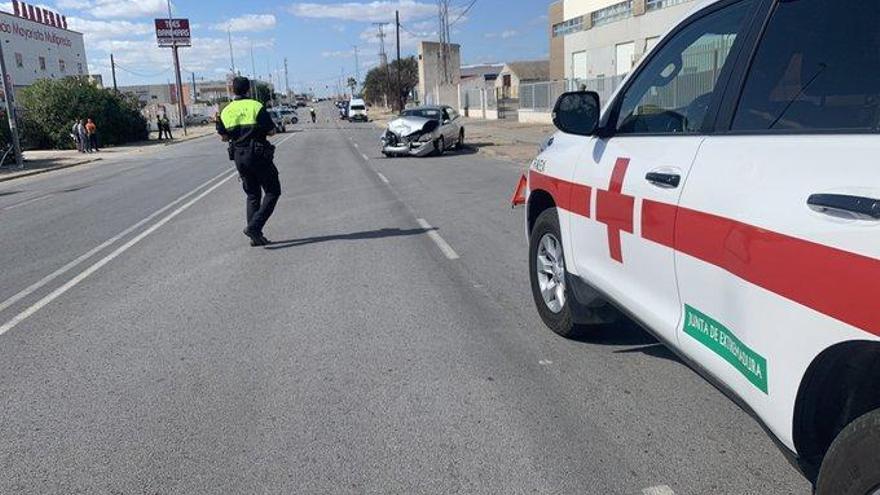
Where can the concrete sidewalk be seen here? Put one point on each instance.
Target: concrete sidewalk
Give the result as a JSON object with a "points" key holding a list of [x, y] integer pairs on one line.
{"points": [[43, 161]]}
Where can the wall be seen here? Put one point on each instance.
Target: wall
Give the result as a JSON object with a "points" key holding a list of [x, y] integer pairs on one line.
{"points": [[529, 117], [26, 41], [556, 15], [575, 8], [432, 89]]}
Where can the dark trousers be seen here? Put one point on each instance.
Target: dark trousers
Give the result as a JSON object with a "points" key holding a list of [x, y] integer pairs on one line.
{"points": [[93, 142], [260, 182]]}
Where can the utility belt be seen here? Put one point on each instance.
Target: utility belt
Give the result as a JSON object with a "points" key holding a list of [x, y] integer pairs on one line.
{"points": [[260, 151]]}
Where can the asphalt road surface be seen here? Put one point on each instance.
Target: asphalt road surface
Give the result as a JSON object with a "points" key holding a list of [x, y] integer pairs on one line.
{"points": [[387, 343]]}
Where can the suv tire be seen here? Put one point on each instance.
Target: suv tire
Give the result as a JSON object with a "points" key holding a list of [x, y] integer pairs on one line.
{"points": [[852, 464], [545, 245]]}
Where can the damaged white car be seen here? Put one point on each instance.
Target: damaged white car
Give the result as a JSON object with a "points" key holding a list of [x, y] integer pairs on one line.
{"points": [[423, 131]]}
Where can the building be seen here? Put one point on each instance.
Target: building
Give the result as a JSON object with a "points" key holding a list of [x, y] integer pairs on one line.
{"points": [[439, 73], [515, 73], [477, 88], [38, 45], [594, 40]]}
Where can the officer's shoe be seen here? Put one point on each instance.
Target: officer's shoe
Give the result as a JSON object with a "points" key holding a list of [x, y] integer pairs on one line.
{"points": [[257, 240]]}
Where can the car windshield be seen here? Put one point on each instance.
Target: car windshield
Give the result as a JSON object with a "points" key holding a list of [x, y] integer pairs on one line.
{"points": [[428, 113], [358, 107]]}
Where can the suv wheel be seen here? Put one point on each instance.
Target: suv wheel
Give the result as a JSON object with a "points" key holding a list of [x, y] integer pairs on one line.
{"points": [[852, 464], [547, 273]]}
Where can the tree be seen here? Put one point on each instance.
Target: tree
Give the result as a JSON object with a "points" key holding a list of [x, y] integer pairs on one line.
{"points": [[51, 106], [264, 92], [352, 84], [381, 82]]}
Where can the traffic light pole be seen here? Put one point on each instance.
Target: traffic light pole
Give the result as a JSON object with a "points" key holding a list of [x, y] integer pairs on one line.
{"points": [[10, 110]]}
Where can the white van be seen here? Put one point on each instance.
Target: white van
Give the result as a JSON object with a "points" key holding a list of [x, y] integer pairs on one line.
{"points": [[357, 111]]}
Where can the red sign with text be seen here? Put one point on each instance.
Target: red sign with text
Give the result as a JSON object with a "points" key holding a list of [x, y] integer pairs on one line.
{"points": [[171, 32]]}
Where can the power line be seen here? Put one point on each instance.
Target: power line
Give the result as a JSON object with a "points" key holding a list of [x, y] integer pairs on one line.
{"points": [[138, 74], [463, 13]]}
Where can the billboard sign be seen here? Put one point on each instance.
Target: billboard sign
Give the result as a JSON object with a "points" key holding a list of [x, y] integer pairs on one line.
{"points": [[171, 32]]}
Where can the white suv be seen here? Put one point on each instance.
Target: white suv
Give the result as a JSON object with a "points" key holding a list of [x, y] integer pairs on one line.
{"points": [[726, 199]]}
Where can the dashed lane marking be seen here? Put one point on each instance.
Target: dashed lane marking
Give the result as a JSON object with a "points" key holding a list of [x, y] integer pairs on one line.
{"points": [[438, 240], [27, 313], [383, 178], [365, 157], [658, 490]]}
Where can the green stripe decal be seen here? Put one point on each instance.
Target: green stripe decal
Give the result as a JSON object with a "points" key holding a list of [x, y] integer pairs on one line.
{"points": [[720, 340]]}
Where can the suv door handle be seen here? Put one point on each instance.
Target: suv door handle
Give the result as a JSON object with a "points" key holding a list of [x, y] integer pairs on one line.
{"points": [[666, 180], [837, 203]]}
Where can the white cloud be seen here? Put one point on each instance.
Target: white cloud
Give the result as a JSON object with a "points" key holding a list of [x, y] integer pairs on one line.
{"points": [[248, 23], [116, 9], [507, 34], [375, 11], [104, 30], [338, 54]]}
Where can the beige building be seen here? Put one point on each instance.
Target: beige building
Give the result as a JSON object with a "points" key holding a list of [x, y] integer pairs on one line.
{"points": [[600, 39], [515, 73], [439, 73]]}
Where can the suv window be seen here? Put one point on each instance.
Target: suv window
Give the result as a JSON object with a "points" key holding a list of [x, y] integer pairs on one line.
{"points": [[671, 95], [817, 68]]}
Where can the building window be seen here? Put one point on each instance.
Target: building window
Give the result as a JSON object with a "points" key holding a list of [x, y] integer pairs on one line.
{"points": [[612, 13], [43, 63], [568, 27], [62, 67], [19, 60], [659, 4]]}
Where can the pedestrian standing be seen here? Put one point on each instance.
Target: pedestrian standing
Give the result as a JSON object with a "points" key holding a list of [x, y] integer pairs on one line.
{"points": [[167, 124], [245, 125], [314, 114], [159, 126], [83, 136], [75, 133], [92, 132]]}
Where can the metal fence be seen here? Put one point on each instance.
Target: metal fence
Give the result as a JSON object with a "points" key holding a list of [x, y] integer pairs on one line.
{"points": [[540, 97]]}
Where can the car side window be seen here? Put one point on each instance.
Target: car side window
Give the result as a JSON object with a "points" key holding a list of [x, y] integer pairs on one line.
{"points": [[816, 68], [672, 94], [445, 115]]}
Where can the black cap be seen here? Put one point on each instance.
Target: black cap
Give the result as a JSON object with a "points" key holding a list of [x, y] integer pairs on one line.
{"points": [[241, 86]]}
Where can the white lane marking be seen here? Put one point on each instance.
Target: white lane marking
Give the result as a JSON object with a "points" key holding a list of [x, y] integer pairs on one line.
{"points": [[383, 178], [285, 140], [365, 157], [439, 241], [9, 325], [357, 145], [66, 268], [545, 362], [658, 490]]}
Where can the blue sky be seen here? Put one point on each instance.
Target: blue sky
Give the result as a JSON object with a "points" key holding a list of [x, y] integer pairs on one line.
{"points": [[316, 36]]}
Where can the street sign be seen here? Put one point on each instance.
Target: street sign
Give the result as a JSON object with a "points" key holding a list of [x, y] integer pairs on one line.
{"points": [[171, 32]]}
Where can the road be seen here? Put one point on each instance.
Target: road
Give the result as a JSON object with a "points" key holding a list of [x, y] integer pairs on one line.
{"points": [[386, 343]]}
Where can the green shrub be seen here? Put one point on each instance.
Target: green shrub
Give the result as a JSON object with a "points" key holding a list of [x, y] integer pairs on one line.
{"points": [[50, 107]]}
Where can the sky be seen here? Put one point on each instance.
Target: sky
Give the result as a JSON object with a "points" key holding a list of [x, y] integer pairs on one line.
{"points": [[317, 37]]}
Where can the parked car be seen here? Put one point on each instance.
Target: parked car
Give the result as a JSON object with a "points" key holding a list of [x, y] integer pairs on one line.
{"points": [[198, 120], [733, 209], [279, 120], [423, 131]]}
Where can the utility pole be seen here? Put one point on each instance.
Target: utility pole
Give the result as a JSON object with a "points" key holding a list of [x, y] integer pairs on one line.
{"points": [[383, 57], [113, 70], [253, 73], [357, 69], [195, 88], [286, 80], [181, 111], [400, 100], [231, 53], [10, 110]]}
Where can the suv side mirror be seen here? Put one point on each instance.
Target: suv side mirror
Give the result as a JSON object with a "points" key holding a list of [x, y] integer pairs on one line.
{"points": [[577, 112]]}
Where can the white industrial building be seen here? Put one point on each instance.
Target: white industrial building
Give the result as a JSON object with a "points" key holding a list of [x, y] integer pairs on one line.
{"points": [[598, 39], [38, 45]]}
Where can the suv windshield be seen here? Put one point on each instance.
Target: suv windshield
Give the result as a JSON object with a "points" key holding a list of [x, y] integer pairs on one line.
{"points": [[428, 113]]}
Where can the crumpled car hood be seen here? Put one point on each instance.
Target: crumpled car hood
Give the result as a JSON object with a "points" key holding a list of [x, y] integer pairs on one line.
{"points": [[406, 126]]}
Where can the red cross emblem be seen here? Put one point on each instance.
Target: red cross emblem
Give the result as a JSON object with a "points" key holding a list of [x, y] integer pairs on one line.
{"points": [[615, 209]]}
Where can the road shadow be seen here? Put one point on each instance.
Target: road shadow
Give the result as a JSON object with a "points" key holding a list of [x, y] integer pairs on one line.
{"points": [[355, 236]]}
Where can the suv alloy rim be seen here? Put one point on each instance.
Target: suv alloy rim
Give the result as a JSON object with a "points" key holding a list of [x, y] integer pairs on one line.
{"points": [[550, 268], [875, 491]]}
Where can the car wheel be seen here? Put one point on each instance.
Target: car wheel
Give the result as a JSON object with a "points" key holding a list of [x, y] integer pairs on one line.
{"points": [[459, 145], [440, 146], [852, 464], [549, 284]]}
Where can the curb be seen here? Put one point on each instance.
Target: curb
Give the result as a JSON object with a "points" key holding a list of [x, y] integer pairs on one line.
{"points": [[47, 170]]}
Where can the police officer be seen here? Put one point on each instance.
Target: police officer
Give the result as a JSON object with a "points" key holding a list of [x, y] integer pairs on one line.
{"points": [[245, 125]]}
